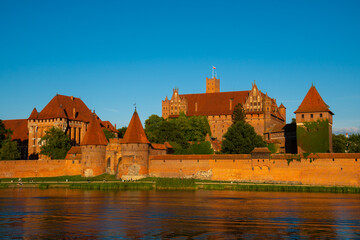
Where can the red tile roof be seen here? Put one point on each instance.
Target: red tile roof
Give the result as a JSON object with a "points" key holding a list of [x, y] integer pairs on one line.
{"points": [[34, 114], [261, 150], [68, 107], [158, 146], [214, 103], [94, 134], [74, 150], [135, 132], [313, 103], [19, 127], [109, 126], [168, 145]]}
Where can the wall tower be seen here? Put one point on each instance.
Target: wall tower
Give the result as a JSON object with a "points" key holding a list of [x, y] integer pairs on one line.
{"points": [[93, 149]]}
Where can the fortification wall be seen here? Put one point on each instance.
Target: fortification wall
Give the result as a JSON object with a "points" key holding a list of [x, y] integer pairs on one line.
{"points": [[319, 169], [39, 168]]}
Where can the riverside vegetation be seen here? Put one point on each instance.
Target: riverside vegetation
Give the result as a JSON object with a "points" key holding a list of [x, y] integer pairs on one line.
{"points": [[109, 182]]}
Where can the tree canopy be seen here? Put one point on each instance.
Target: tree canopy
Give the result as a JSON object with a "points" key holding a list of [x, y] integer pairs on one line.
{"points": [[9, 150], [241, 138], [238, 113], [108, 134], [56, 144], [122, 132], [181, 130]]}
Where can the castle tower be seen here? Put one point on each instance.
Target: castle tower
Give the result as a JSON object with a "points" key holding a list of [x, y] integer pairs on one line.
{"points": [[282, 111], [314, 109], [135, 151], [212, 85], [93, 149]]}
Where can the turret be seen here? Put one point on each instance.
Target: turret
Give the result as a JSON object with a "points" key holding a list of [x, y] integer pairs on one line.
{"points": [[135, 151], [282, 111]]}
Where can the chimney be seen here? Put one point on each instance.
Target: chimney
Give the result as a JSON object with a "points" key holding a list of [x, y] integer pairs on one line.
{"points": [[72, 98], [74, 113]]}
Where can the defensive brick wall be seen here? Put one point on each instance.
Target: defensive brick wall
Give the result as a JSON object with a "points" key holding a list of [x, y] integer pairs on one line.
{"points": [[39, 168], [316, 169]]}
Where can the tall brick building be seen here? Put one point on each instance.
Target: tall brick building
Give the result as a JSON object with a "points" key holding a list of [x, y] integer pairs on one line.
{"points": [[311, 109], [262, 111]]}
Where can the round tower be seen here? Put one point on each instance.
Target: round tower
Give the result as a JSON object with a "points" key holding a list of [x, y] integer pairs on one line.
{"points": [[93, 149], [135, 151]]}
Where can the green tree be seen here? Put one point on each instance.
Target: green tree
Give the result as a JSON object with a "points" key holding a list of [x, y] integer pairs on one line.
{"points": [[9, 150], [241, 138], [339, 143], [108, 134], [354, 143], [56, 144], [152, 128], [122, 132], [238, 113], [4, 133], [181, 130]]}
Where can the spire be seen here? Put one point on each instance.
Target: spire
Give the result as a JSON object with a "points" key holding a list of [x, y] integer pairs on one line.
{"points": [[94, 134], [135, 132], [34, 114], [313, 102]]}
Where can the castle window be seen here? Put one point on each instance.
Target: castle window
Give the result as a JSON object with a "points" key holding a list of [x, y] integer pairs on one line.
{"points": [[302, 115], [321, 115], [311, 115]]}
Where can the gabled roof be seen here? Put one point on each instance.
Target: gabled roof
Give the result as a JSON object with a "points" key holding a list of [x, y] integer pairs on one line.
{"points": [[214, 103], [19, 127], [94, 134], [158, 146], [313, 103], [34, 114], [282, 106], [64, 107], [135, 132]]}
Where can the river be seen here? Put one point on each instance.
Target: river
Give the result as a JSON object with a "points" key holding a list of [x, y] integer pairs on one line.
{"points": [[89, 214]]}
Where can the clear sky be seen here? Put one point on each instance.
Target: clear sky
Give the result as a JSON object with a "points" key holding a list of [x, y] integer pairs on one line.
{"points": [[113, 54]]}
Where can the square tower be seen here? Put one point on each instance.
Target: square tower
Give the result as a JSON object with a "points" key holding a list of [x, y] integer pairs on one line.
{"points": [[212, 85]]}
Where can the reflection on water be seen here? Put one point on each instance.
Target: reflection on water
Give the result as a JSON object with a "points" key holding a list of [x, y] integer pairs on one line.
{"points": [[67, 213]]}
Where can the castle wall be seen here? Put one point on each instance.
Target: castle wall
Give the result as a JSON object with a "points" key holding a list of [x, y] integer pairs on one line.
{"points": [[318, 169], [39, 168]]}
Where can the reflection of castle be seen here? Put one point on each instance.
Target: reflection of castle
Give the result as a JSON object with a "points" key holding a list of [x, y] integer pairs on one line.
{"points": [[262, 112]]}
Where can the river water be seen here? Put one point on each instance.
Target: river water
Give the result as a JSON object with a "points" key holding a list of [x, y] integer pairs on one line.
{"points": [[90, 214]]}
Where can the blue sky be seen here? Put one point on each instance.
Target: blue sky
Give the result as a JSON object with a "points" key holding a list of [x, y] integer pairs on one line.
{"points": [[113, 54]]}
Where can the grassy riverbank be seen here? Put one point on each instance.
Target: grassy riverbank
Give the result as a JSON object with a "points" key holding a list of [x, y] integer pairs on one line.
{"points": [[108, 182]]}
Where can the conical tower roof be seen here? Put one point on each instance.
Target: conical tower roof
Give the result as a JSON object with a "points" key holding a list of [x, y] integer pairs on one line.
{"points": [[313, 103], [135, 132], [34, 114], [94, 134]]}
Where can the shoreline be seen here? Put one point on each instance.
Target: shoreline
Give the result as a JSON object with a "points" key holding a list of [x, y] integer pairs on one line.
{"points": [[178, 184]]}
